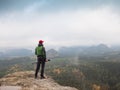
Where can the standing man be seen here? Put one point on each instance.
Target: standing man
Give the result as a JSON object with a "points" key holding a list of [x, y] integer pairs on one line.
{"points": [[41, 58]]}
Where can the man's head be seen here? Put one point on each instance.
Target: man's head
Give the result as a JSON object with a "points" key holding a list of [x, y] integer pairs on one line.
{"points": [[41, 41]]}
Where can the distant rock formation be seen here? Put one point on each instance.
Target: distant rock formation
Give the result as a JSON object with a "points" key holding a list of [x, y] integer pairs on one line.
{"points": [[52, 53], [25, 81], [96, 50]]}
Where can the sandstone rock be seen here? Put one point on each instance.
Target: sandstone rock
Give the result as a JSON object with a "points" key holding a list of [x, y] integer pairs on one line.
{"points": [[26, 81]]}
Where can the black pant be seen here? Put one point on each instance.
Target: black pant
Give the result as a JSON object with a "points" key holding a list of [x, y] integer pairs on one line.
{"points": [[40, 61]]}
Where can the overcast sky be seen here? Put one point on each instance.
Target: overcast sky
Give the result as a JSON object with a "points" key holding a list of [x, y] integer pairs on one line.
{"points": [[59, 22]]}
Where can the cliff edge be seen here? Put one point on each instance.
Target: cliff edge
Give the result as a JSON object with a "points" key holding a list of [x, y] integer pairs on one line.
{"points": [[25, 81]]}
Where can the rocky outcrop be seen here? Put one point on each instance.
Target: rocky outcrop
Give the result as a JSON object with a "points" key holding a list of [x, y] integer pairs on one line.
{"points": [[25, 81], [52, 54]]}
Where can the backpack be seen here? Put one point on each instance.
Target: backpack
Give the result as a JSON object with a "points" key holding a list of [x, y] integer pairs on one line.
{"points": [[39, 51]]}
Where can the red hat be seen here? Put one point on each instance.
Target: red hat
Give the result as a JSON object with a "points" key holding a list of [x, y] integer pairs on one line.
{"points": [[41, 41]]}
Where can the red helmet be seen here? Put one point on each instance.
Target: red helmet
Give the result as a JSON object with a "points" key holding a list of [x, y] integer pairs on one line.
{"points": [[41, 41]]}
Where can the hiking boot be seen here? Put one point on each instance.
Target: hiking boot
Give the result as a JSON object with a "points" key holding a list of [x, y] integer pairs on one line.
{"points": [[42, 77], [35, 77]]}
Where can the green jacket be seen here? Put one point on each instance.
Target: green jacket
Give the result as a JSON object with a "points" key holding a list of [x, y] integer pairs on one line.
{"points": [[40, 51]]}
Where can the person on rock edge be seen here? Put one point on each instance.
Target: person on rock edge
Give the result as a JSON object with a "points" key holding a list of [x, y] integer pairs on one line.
{"points": [[41, 59]]}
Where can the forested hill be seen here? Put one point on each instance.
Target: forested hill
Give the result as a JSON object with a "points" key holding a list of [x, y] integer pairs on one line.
{"points": [[85, 68]]}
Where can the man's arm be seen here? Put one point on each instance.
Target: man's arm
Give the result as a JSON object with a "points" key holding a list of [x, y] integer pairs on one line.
{"points": [[36, 51], [44, 52]]}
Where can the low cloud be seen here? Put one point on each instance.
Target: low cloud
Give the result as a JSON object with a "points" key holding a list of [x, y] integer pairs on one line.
{"points": [[64, 28]]}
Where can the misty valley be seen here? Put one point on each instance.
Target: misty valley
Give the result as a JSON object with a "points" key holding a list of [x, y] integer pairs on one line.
{"points": [[78, 38], [86, 68]]}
